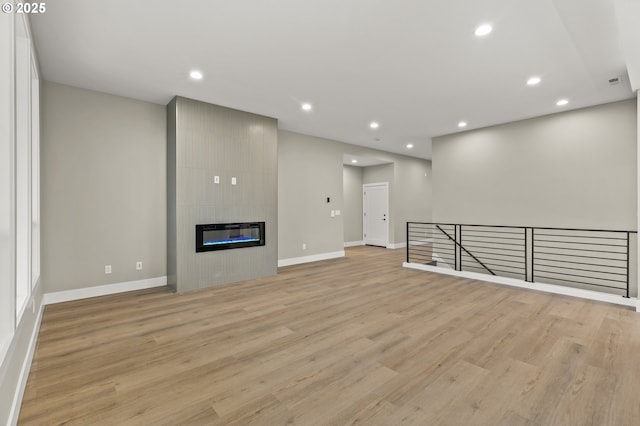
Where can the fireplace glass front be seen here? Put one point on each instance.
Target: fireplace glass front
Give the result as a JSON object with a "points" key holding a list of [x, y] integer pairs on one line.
{"points": [[224, 236]]}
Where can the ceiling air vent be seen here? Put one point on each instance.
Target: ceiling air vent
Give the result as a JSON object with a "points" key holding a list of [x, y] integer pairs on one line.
{"points": [[614, 81]]}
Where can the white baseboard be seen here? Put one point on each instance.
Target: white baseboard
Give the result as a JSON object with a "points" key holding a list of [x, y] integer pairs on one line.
{"points": [[312, 258], [548, 288], [103, 290], [24, 371], [353, 243], [396, 246]]}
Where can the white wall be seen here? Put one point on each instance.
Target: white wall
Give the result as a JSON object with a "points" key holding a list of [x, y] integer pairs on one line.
{"points": [[352, 211], [7, 197], [20, 288], [575, 169], [310, 169], [105, 164], [104, 188]]}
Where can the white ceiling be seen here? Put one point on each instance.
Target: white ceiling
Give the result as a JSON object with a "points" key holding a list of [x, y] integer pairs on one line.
{"points": [[412, 65]]}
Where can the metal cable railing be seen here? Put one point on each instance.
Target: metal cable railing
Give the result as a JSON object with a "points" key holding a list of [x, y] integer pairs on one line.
{"points": [[500, 248], [589, 258], [592, 259]]}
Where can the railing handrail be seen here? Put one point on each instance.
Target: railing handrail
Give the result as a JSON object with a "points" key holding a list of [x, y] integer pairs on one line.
{"points": [[526, 226]]}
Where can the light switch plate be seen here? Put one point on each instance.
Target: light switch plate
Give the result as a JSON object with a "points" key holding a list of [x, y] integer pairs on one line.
{"points": [[216, 179], [233, 180]]}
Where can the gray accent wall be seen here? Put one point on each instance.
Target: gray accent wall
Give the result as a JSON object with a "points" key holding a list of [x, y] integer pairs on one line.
{"points": [[103, 165], [575, 169], [311, 169], [205, 141]]}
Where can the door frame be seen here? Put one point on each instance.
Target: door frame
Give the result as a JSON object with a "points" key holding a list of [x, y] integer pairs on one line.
{"points": [[364, 222]]}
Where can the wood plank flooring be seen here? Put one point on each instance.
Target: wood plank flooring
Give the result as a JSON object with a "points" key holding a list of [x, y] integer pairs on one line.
{"points": [[351, 341]]}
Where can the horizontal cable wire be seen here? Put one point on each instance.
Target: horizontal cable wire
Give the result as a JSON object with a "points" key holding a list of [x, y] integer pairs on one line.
{"points": [[588, 270], [585, 244], [493, 247]]}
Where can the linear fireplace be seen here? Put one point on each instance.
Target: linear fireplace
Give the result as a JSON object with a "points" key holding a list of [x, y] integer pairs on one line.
{"points": [[224, 236]]}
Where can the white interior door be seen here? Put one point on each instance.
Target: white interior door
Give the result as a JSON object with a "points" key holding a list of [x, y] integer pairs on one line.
{"points": [[375, 215]]}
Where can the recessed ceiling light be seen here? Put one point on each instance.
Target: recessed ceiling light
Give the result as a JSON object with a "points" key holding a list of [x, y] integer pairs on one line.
{"points": [[306, 107], [196, 75], [354, 161], [483, 30], [562, 102], [462, 124], [374, 125], [533, 81], [409, 145]]}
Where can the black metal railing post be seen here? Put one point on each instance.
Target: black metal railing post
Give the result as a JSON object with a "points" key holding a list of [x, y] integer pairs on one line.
{"points": [[526, 254], [627, 295], [457, 234], [458, 248], [533, 245], [408, 242]]}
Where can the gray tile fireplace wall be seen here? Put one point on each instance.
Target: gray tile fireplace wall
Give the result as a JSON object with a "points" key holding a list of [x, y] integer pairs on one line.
{"points": [[205, 141]]}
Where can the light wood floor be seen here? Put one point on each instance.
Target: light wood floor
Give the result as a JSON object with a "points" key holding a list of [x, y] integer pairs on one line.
{"points": [[358, 340]]}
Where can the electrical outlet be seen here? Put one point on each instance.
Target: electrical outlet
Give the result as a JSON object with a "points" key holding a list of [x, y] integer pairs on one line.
{"points": [[234, 181], [107, 269], [139, 266], [304, 246]]}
